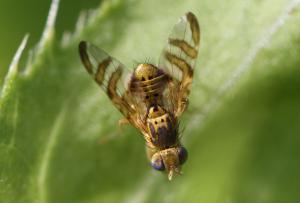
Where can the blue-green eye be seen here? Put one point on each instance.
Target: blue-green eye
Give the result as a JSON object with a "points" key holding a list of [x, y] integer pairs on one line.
{"points": [[157, 163], [182, 155]]}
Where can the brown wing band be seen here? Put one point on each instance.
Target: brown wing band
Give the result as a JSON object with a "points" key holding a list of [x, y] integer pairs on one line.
{"points": [[112, 83], [194, 25], [99, 77], [112, 92], [85, 58], [181, 64], [185, 47]]}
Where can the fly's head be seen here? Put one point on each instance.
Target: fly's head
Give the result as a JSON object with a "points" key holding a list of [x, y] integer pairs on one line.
{"points": [[169, 160]]}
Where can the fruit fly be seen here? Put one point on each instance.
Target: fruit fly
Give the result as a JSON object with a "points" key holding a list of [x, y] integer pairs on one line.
{"points": [[152, 97]]}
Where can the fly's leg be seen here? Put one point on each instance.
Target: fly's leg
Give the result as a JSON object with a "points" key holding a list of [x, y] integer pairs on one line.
{"points": [[123, 121], [112, 136], [150, 151], [107, 138]]}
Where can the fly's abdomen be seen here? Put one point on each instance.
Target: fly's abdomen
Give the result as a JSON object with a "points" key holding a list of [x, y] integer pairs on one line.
{"points": [[148, 83]]}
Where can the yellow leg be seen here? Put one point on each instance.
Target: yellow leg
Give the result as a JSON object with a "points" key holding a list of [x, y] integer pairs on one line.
{"points": [[106, 139], [150, 152], [123, 121]]}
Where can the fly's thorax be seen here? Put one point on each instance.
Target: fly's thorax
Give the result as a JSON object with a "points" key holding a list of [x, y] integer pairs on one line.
{"points": [[155, 112], [162, 127], [169, 160]]}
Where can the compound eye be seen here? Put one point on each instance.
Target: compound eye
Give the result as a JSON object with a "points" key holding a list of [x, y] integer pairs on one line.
{"points": [[182, 155], [157, 162]]}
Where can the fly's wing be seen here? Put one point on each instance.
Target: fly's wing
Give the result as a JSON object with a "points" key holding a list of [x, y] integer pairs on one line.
{"points": [[109, 74], [178, 61]]}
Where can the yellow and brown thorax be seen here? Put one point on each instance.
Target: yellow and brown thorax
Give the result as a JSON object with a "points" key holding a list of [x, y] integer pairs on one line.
{"points": [[162, 128]]}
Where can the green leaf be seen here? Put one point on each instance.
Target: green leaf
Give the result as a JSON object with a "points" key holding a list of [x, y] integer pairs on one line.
{"points": [[241, 129]]}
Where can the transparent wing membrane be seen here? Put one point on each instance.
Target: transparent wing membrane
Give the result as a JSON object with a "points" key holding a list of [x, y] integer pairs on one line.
{"points": [[109, 73], [113, 77], [179, 59]]}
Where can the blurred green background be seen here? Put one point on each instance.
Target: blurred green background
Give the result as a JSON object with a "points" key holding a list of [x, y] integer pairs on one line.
{"points": [[20, 17], [241, 129]]}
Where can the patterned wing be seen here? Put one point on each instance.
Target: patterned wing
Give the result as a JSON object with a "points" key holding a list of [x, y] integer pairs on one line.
{"points": [[110, 75], [179, 58]]}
